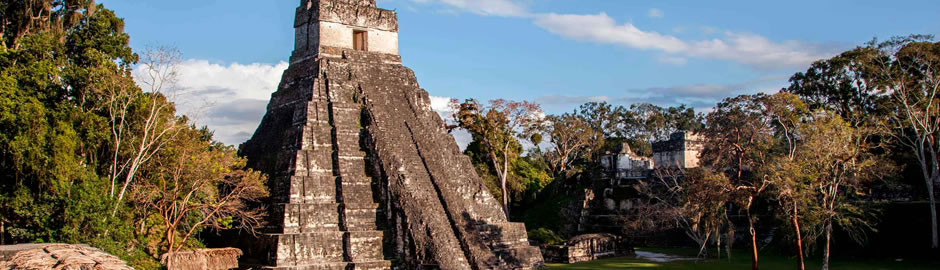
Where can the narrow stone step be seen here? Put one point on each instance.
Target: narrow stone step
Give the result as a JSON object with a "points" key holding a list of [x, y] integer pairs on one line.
{"points": [[357, 192], [364, 246], [360, 217], [307, 248], [303, 162], [375, 265], [319, 266], [352, 167], [313, 189], [305, 218], [356, 179]]}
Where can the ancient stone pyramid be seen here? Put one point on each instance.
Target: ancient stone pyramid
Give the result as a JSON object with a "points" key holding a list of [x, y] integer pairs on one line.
{"points": [[362, 173]]}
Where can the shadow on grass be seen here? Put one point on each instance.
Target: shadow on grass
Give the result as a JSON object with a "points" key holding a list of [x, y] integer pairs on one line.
{"points": [[742, 261], [615, 263]]}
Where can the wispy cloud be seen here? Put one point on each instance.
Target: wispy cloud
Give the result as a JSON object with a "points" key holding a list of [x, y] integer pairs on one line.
{"points": [[603, 29], [748, 49], [740, 47], [701, 96], [504, 8], [656, 13]]}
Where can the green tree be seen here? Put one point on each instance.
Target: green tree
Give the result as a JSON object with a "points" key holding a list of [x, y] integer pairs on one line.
{"points": [[786, 114], [738, 141], [196, 184], [837, 162], [499, 127], [571, 137], [843, 84], [68, 108], [907, 69]]}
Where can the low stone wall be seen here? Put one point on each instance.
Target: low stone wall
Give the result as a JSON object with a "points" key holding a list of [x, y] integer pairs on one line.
{"points": [[202, 259], [587, 247]]}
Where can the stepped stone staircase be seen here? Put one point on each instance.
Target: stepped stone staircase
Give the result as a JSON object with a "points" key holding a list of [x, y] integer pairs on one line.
{"points": [[363, 174]]}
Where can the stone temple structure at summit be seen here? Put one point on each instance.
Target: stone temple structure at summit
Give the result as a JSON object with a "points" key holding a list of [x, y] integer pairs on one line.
{"points": [[363, 174]]}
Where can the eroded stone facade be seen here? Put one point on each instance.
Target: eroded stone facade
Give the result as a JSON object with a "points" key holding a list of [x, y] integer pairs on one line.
{"points": [[682, 150], [363, 174], [624, 164]]}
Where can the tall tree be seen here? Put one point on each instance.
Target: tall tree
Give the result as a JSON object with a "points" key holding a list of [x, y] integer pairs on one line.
{"points": [[907, 70], [571, 138], [66, 89], [843, 84], [837, 162], [738, 140], [786, 113], [499, 127], [142, 123]]}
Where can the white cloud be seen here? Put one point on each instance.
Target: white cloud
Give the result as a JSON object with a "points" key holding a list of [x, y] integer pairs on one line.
{"points": [[603, 29], [441, 105], [504, 8], [749, 49], [758, 51], [230, 99], [656, 13]]}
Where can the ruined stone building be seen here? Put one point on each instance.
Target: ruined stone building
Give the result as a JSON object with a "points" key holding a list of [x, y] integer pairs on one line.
{"points": [[680, 151], [362, 173], [618, 190], [624, 164]]}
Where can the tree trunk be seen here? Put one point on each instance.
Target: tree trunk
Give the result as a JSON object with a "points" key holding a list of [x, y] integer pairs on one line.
{"points": [[501, 176], [718, 242], [502, 182], [170, 239], [933, 213], [703, 244], [825, 265], [753, 232], [799, 238], [730, 245]]}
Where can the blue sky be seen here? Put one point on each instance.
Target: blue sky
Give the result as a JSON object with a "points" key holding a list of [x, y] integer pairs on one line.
{"points": [[559, 53]]}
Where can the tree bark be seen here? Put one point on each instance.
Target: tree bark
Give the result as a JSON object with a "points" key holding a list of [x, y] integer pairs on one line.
{"points": [[753, 232], [503, 180], [933, 213], [799, 238], [825, 265], [730, 241], [718, 242]]}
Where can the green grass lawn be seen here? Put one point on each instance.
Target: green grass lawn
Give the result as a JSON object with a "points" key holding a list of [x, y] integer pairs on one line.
{"points": [[741, 260]]}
